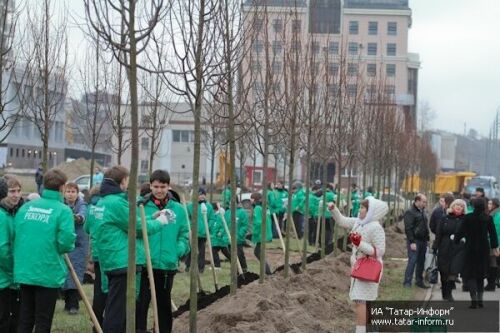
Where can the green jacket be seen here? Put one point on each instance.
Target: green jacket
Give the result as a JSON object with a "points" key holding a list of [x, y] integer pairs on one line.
{"points": [[313, 205], [172, 242], [111, 232], [496, 221], [298, 201], [281, 196], [218, 235], [44, 231], [6, 258], [355, 203], [211, 218], [226, 197], [257, 225], [241, 224]]}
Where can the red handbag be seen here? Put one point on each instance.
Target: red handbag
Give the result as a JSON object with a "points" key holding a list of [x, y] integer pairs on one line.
{"points": [[368, 268]]}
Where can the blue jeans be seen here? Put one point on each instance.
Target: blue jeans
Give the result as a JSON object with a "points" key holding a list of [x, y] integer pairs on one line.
{"points": [[415, 258]]}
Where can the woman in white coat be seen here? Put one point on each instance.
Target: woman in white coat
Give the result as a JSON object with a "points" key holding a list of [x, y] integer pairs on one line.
{"points": [[367, 234]]}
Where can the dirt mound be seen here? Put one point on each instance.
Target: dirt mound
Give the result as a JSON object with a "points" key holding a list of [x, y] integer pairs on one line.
{"points": [[76, 168], [395, 240], [314, 301]]}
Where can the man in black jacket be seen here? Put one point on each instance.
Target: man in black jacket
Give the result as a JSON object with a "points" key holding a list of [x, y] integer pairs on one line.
{"points": [[440, 211], [417, 237]]}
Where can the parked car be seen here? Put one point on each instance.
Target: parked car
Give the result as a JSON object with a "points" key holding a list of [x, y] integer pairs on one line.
{"points": [[83, 182]]}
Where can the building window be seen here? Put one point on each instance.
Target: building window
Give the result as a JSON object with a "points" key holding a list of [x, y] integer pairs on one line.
{"points": [[17, 152], [390, 91], [333, 68], [22, 153], [371, 90], [296, 26], [144, 143], [258, 23], [390, 70], [184, 136], [176, 136], [391, 49], [296, 46], [371, 70], [258, 88], [372, 28], [372, 49], [353, 48], [353, 27], [256, 66], [258, 46], [276, 87], [278, 25], [276, 66], [334, 48], [352, 69], [315, 47], [352, 90], [144, 166], [392, 28], [277, 47], [333, 89], [11, 152]]}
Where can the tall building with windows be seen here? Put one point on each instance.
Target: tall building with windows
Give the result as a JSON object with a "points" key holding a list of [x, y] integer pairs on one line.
{"points": [[361, 44]]}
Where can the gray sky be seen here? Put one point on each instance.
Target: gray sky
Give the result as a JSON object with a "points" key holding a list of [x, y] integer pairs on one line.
{"points": [[459, 46]]}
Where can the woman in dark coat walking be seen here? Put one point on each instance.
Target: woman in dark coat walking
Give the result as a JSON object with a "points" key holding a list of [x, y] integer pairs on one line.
{"points": [[450, 255], [478, 229]]}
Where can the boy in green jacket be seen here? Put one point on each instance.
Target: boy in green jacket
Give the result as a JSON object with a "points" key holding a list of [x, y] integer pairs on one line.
{"points": [[202, 233], [166, 247], [10, 202], [218, 237], [44, 232], [241, 232], [111, 240], [256, 199]]}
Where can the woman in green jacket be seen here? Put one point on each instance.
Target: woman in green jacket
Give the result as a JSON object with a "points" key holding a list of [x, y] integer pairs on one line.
{"points": [[256, 199]]}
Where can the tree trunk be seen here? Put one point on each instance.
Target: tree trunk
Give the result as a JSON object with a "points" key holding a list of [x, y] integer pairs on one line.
{"points": [[212, 170]]}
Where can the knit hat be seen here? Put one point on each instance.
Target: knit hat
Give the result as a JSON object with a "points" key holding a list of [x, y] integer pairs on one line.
{"points": [[4, 189], [201, 191]]}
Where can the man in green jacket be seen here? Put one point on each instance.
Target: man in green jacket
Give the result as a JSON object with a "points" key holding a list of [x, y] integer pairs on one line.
{"points": [[281, 195], [111, 239], [202, 233], [10, 202], [298, 203], [241, 232], [226, 195], [314, 197], [166, 247], [256, 199], [44, 232]]}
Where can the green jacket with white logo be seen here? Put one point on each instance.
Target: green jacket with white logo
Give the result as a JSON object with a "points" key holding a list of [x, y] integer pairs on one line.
{"points": [[241, 224], [111, 230], [201, 224], [172, 242], [6, 259], [44, 231]]}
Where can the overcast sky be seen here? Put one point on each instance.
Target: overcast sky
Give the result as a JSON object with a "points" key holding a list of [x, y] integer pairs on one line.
{"points": [[459, 46]]}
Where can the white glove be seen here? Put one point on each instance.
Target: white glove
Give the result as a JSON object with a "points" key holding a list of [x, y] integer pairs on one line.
{"points": [[462, 240], [204, 208], [158, 213], [221, 211], [452, 237], [162, 219]]}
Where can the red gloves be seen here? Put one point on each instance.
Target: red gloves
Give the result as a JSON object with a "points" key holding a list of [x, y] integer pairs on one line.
{"points": [[355, 238]]}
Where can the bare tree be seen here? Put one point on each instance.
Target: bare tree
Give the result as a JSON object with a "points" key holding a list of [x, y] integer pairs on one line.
{"points": [[126, 29], [45, 50]]}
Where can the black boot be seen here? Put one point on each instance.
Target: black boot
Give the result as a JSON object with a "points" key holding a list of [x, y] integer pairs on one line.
{"points": [[480, 299], [492, 273], [449, 290], [473, 300]]}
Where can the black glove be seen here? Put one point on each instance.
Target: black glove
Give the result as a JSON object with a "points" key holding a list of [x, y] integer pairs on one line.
{"points": [[435, 251]]}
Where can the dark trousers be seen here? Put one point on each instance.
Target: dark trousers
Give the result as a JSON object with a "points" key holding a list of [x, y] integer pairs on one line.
{"points": [[241, 257], [71, 298], [313, 224], [9, 310], [281, 221], [115, 316], [215, 253], [447, 285], [256, 251], [37, 308], [476, 289], [298, 220], [416, 259], [201, 255], [329, 223], [99, 301], [163, 286]]}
